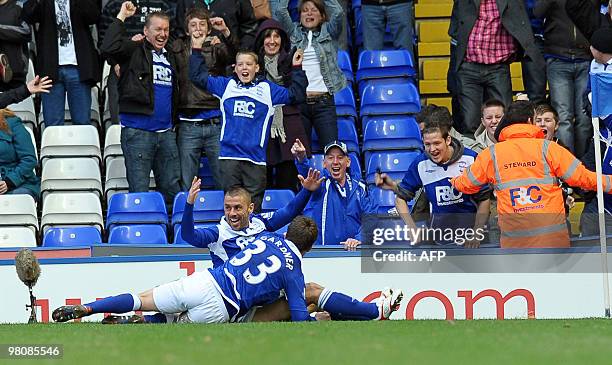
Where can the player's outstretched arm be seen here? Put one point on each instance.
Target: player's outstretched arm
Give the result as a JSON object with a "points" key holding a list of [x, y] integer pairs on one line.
{"points": [[195, 237]]}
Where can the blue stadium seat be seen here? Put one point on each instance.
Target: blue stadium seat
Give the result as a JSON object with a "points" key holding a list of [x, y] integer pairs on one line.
{"points": [[205, 174], [356, 4], [347, 133], [178, 239], [395, 164], [138, 234], [293, 10], [71, 236], [208, 207], [385, 199], [344, 61], [345, 103], [385, 64], [136, 208], [276, 199], [381, 97], [391, 133]]}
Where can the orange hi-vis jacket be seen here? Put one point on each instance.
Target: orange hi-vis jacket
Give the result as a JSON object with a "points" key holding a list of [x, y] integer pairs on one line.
{"points": [[524, 169]]}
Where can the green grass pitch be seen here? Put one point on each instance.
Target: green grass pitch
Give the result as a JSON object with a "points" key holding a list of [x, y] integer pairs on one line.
{"points": [[383, 343]]}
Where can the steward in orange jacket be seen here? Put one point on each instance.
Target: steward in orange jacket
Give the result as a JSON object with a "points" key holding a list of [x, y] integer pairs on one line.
{"points": [[524, 169]]}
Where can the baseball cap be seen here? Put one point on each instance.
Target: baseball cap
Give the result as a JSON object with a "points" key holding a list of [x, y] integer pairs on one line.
{"points": [[340, 145]]}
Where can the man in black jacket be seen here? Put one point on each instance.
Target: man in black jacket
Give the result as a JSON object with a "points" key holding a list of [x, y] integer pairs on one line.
{"points": [[14, 35], [133, 26], [587, 16], [148, 95], [65, 53], [238, 15]]}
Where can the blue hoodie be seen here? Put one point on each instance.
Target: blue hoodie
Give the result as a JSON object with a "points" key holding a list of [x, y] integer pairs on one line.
{"points": [[338, 217]]}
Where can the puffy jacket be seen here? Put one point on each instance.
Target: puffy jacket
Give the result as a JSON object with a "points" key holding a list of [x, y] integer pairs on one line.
{"points": [[338, 218], [17, 158], [192, 99], [136, 80], [324, 40], [525, 169], [561, 36]]}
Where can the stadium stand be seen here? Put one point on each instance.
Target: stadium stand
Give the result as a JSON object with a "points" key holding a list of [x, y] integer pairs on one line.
{"points": [[205, 174], [383, 133], [381, 97], [395, 164], [344, 61], [21, 235], [345, 103], [112, 143], [116, 178], [71, 174], [71, 209], [18, 211], [276, 199], [71, 236], [136, 208], [70, 141], [137, 234]]}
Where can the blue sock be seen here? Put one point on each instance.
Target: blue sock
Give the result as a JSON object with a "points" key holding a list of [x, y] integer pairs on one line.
{"points": [[155, 318], [344, 308], [121, 303]]}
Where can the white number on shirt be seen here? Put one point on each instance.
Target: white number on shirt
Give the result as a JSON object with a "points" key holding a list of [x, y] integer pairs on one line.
{"points": [[263, 268]]}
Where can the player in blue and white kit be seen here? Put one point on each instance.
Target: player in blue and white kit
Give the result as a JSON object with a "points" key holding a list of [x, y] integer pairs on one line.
{"points": [[254, 277], [444, 158], [240, 226], [247, 106]]}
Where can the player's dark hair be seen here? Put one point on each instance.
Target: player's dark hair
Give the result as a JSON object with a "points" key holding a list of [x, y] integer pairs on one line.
{"points": [[156, 14], [440, 115], [435, 127], [423, 115], [236, 190], [302, 232], [492, 103]]}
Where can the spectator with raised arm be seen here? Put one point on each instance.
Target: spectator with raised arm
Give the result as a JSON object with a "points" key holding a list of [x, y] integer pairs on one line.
{"points": [[248, 103], [199, 127], [342, 201], [237, 14], [133, 28], [317, 33], [66, 53], [275, 54], [148, 98]]}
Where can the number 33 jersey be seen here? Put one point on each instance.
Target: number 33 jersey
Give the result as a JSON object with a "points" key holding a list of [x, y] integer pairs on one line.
{"points": [[257, 274]]}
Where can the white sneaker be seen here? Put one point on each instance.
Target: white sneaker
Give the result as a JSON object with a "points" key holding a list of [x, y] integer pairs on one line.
{"points": [[389, 302]]}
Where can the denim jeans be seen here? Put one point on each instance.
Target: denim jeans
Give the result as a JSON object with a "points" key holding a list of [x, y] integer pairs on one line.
{"points": [[322, 116], [252, 177], [534, 78], [568, 83], [79, 98], [193, 139], [476, 81], [145, 151], [400, 17]]}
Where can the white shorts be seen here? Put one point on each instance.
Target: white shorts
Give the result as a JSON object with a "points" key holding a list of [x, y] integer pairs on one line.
{"points": [[195, 294]]}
